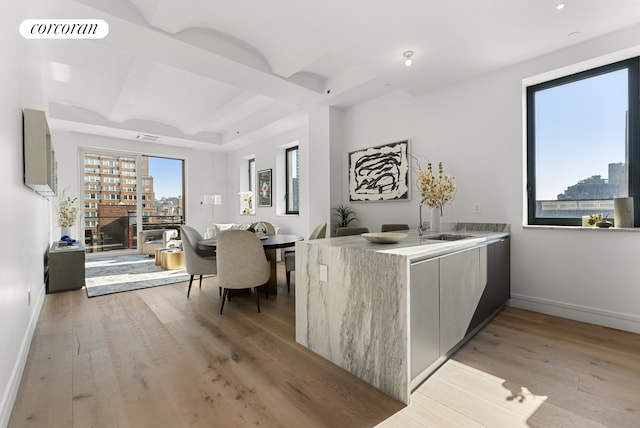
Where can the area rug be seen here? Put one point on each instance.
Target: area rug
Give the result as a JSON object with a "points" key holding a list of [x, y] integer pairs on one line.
{"points": [[125, 273]]}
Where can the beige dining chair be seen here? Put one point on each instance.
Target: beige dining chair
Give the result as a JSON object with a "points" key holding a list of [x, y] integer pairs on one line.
{"points": [[197, 261], [270, 229], [241, 263], [319, 232], [346, 231], [390, 227]]}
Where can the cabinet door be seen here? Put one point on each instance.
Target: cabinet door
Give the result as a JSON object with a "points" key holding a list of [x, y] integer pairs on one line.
{"points": [[65, 270], [498, 289], [462, 282], [425, 319]]}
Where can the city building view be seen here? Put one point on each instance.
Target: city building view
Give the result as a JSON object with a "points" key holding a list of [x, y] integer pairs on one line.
{"points": [[592, 195], [111, 202]]}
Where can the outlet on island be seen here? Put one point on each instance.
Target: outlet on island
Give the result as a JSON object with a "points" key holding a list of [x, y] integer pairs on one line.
{"points": [[323, 273]]}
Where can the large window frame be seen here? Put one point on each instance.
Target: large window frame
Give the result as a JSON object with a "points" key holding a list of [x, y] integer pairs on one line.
{"points": [[632, 143], [95, 240], [292, 192]]}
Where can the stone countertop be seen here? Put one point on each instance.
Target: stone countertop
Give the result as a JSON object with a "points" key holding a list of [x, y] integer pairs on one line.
{"points": [[415, 247]]}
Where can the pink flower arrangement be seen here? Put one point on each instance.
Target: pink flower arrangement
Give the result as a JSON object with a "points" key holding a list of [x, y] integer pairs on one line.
{"points": [[436, 191]]}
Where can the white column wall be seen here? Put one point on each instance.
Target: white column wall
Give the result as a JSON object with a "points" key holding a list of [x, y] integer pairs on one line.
{"points": [[322, 133]]}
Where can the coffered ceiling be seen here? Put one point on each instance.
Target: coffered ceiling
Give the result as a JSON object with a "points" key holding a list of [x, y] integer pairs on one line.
{"points": [[216, 74]]}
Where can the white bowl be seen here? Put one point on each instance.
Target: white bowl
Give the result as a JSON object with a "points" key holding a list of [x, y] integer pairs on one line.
{"points": [[384, 237]]}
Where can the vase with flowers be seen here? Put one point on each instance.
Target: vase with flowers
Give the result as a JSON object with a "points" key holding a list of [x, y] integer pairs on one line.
{"points": [[435, 192], [247, 197], [67, 214]]}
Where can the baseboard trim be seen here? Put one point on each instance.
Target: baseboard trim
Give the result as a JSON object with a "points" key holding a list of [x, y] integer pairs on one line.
{"points": [[586, 314], [11, 391]]}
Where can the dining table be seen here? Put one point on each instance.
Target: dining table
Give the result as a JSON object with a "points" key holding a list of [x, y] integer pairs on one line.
{"points": [[271, 243]]}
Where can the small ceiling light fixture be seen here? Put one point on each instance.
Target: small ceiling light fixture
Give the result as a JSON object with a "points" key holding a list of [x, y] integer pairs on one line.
{"points": [[561, 6], [407, 58]]}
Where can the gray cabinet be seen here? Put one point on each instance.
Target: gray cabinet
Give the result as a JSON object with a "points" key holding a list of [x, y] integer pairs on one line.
{"points": [[498, 289], [451, 297], [64, 268], [462, 281], [425, 321]]}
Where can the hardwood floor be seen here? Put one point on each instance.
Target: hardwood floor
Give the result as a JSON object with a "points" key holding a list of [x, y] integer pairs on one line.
{"points": [[526, 369], [153, 358]]}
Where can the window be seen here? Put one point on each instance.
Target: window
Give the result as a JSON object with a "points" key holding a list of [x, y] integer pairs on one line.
{"points": [[247, 186], [291, 191], [583, 147], [252, 173]]}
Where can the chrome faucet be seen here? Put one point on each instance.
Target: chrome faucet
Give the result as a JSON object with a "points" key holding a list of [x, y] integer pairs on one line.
{"points": [[420, 228]]}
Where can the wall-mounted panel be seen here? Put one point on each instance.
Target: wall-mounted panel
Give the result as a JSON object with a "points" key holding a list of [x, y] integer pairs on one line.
{"points": [[39, 158]]}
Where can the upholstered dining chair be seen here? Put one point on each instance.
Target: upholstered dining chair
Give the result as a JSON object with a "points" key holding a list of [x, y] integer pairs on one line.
{"points": [[242, 263], [389, 227], [346, 231], [319, 232], [197, 261]]}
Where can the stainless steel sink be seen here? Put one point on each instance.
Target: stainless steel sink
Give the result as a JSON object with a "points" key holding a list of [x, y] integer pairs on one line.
{"points": [[446, 237]]}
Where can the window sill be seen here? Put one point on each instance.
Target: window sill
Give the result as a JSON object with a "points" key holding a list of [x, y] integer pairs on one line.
{"points": [[580, 228]]}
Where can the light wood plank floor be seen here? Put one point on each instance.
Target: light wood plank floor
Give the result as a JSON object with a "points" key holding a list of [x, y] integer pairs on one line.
{"points": [[153, 358]]}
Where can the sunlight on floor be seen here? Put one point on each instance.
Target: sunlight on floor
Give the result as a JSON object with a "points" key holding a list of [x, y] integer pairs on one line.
{"points": [[459, 395]]}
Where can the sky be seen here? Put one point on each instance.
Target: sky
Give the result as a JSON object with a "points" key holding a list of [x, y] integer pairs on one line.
{"points": [[167, 176], [580, 129]]}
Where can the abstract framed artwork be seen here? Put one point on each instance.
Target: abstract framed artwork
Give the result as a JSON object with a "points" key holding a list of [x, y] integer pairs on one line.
{"points": [[264, 188], [380, 173]]}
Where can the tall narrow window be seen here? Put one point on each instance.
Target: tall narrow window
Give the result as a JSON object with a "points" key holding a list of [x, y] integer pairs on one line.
{"points": [[291, 156], [248, 186], [252, 173], [582, 144]]}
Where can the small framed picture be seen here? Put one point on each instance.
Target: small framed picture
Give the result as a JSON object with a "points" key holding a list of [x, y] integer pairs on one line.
{"points": [[264, 188]]}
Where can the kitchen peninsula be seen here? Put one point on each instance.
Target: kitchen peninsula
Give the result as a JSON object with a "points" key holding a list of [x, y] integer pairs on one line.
{"points": [[392, 313]]}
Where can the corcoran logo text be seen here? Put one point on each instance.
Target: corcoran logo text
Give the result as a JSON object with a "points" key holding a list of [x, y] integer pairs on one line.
{"points": [[64, 29]]}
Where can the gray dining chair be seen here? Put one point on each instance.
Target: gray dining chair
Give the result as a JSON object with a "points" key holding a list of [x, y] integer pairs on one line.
{"points": [[390, 227], [319, 232], [197, 261], [241, 263], [346, 231]]}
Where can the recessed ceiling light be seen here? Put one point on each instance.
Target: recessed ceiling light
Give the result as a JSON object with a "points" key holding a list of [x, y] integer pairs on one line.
{"points": [[407, 58], [561, 6]]}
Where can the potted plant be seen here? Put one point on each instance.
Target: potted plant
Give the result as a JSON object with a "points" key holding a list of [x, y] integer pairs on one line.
{"points": [[604, 222], [599, 220], [344, 214]]}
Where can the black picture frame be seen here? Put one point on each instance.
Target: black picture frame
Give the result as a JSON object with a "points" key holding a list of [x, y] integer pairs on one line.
{"points": [[264, 188]]}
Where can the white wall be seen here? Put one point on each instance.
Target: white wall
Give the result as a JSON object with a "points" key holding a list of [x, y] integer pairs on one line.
{"points": [[388, 119], [24, 215], [476, 129], [206, 172], [266, 157]]}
